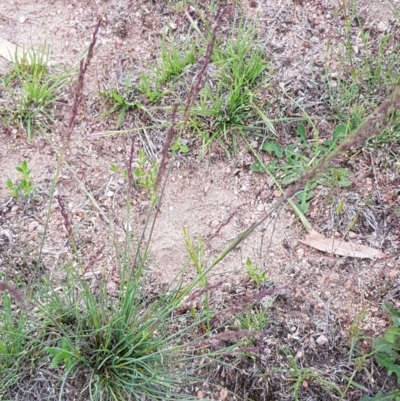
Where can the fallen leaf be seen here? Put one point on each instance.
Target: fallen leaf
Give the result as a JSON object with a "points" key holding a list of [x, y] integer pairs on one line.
{"points": [[342, 248]]}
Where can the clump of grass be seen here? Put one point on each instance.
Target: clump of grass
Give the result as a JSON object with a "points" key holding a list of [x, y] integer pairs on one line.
{"points": [[128, 345], [369, 68], [36, 87], [174, 60], [227, 101]]}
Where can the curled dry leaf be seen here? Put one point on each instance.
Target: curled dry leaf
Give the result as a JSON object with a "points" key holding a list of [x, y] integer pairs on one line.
{"points": [[339, 247]]}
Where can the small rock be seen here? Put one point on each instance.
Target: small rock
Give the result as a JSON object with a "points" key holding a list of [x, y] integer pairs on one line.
{"points": [[40, 229], [321, 340], [260, 207], [110, 194], [32, 225], [22, 19], [381, 26], [300, 252], [215, 223], [352, 235], [299, 355], [393, 274], [264, 195], [15, 209], [200, 395], [277, 194]]}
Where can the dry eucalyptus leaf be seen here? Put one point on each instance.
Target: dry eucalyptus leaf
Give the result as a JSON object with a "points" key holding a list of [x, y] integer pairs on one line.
{"points": [[339, 247]]}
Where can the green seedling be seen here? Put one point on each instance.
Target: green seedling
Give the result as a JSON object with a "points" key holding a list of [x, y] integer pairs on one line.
{"points": [[255, 318], [196, 255], [120, 104], [179, 147], [145, 176], [299, 375], [380, 396], [388, 347], [64, 354], [36, 88], [255, 273], [174, 61], [297, 158], [145, 87], [22, 190]]}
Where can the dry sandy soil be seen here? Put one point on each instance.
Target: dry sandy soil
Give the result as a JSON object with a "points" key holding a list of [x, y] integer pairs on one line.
{"points": [[215, 197]]}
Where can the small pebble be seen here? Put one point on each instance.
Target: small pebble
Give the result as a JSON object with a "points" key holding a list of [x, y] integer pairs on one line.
{"points": [[22, 19], [299, 354], [40, 229], [215, 223], [264, 195], [321, 340], [260, 207], [381, 26], [110, 194], [32, 225]]}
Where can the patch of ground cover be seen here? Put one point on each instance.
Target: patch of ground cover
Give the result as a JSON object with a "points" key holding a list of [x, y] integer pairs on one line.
{"points": [[181, 146]]}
